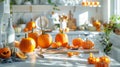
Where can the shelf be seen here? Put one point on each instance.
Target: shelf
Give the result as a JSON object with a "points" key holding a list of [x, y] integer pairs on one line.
{"points": [[39, 8]]}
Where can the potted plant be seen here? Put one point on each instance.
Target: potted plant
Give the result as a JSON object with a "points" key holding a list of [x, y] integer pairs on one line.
{"points": [[111, 29]]}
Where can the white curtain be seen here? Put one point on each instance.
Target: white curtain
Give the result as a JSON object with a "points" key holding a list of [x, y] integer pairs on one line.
{"points": [[117, 7]]}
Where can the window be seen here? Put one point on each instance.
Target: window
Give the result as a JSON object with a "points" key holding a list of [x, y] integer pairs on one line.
{"points": [[116, 7]]}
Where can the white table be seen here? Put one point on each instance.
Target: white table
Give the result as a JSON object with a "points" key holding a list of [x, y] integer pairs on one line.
{"points": [[57, 60]]}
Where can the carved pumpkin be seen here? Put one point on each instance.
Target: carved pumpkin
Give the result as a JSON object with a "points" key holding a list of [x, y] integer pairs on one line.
{"points": [[44, 40], [5, 53], [30, 25], [27, 44], [91, 59], [62, 38], [77, 42], [34, 35], [87, 44]]}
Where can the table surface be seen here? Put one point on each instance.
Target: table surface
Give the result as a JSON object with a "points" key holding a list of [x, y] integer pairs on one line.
{"points": [[61, 59], [58, 60]]}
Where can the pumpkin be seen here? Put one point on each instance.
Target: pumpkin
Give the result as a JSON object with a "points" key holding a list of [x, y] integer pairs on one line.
{"points": [[21, 55], [87, 44], [74, 47], [30, 25], [68, 46], [77, 42], [91, 59], [70, 54], [34, 35], [5, 53], [105, 59], [55, 45], [25, 30], [16, 44], [102, 62], [27, 44], [62, 38], [97, 25], [44, 40]]}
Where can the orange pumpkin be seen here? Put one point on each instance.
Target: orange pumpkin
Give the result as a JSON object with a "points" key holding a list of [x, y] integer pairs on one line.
{"points": [[102, 62], [87, 44], [27, 44], [105, 59], [96, 23], [5, 53], [91, 59], [70, 54], [25, 30], [16, 44], [62, 38], [44, 40], [77, 42], [30, 25], [68, 46], [34, 35], [55, 45]]}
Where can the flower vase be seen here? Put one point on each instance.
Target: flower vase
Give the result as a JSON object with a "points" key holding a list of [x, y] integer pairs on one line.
{"points": [[63, 25]]}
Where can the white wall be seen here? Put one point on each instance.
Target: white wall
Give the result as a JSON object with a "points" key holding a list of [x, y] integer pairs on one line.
{"points": [[95, 12]]}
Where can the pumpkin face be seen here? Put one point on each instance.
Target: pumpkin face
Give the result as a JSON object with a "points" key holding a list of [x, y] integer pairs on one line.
{"points": [[91, 59], [27, 45], [88, 44], [77, 42], [5, 53], [62, 38], [44, 40], [30, 25], [34, 35]]}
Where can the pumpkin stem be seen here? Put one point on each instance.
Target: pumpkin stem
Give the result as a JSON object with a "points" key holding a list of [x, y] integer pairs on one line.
{"points": [[26, 35], [61, 31], [32, 30], [43, 32]]}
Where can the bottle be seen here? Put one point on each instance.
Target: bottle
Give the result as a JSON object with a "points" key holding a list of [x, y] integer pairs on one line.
{"points": [[10, 34]]}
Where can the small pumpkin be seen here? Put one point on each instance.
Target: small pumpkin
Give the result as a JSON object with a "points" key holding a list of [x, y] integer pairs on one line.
{"points": [[34, 35], [21, 55], [77, 42], [25, 30], [5, 53], [70, 54], [91, 59], [55, 45], [87, 44], [105, 59], [62, 38], [27, 44], [102, 62], [16, 44], [30, 25], [44, 40]]}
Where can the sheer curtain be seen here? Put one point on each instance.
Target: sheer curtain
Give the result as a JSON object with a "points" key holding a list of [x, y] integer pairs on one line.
{"points": [[117, 7]]}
